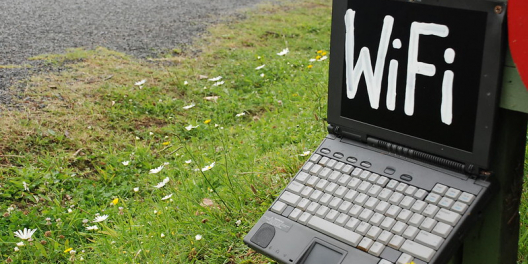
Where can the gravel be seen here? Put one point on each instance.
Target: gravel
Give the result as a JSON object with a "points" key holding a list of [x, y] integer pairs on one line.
{"points": [[142, 28]]}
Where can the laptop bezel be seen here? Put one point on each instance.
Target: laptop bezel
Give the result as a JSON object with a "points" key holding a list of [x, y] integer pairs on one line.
{"points": [[489, 93]]}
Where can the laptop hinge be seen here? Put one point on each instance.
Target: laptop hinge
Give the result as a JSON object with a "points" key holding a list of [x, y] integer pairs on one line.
{"points": [[426, 157]]}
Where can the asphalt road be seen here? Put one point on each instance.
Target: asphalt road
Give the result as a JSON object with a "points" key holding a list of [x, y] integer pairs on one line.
{"points": [[143, 28]]}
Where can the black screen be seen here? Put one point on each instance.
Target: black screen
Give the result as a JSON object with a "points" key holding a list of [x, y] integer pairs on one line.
{"points": [[465, 40], [320, 254]]}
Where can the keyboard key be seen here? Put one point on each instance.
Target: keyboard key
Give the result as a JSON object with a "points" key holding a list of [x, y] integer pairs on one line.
{"points": [[385, 237], [396, 242], [411, 232], [420, 194], [334, 231], [302, 177], [345, 207], [374, 232], [373, 177], [341, 191], [453, 193], [384, 261], [295, 214], [324, 173], [393, 211], [355, 210], [303, 219], [351, 195], [430, 210], [417, 250], [312, 181], [447, 217], [376, 219], [382, 207], [398, 228], [321, 184], [418, 206], [387, 223], [442, 229], [356, 172], [278, 207], [401, 187], [331, 188], [428, 224], [307, 191], [407, 202], [365, 244], [325, 199], [331, 163], [290, 198], [322, 211], [404, 259], [385, 194], [343, 180], [334, 176], [316, 195], [416, 220], [374, 190], [439, 189], [303, 204], [396, 198], [332, 215], [446, 202], [339, 166], [364, 175], [323, 161], [312, 208], [352, 223], [365, 215], [382, 181], [392, 184], [307, 166], [404, 215], [347, 169], [342, 219], [376, 249], [433, 198], [315, 158], [371, 203], [410, 191], [361, 199], [363, 228], [466, 198], [315, 169], [354, 183], [364, 186], [459, 207], [427, 239], [295, 187], [335, 203]]}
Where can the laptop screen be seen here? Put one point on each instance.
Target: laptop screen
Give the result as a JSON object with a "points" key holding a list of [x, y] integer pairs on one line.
{"points": [[417, 74]]}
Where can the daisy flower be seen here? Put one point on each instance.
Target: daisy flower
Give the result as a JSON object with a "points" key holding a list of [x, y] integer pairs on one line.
{"points": [[162, 183], [283, 52], [215, 79], [140, 82], [241, 114], [191, 127], [218, 83], [156, 170], [306, 153], [16, 249], [26, 234], [125, 163], [94, 227], [25, 186], [189, 106], [188, 161], [166, 197], [136, 189], [20, 244], [198, 237], [100, 218], [208, 167], [260, 67]]}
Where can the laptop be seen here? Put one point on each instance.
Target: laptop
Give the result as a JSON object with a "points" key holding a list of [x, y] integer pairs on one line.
{"points": [[404, 170]]}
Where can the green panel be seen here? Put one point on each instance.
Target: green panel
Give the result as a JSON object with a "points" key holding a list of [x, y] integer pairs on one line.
{"points": [[514, 94]]}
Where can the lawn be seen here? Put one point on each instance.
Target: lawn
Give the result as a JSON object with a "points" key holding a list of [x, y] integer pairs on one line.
{"points": [[166, 160]]}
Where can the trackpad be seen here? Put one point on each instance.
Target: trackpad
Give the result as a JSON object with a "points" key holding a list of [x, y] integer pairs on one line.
{"points": [[319, 253]]}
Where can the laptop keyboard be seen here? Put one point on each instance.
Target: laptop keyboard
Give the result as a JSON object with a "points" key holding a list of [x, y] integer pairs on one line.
{"points": [[372, 213]]}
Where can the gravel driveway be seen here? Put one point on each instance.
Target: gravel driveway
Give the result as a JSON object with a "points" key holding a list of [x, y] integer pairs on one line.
{"points": [[142, 28]]}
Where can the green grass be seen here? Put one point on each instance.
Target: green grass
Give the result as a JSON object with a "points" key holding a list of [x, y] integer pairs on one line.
{"points": [[78, 128]]}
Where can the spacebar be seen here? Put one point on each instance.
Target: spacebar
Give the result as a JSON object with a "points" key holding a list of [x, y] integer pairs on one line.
{"points": [[334, 231]]}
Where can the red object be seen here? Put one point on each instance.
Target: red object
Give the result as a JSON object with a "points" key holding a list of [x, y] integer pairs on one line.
{"points": [[518, 36]]}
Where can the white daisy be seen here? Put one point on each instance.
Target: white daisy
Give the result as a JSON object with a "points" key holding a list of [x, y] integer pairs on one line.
{"points": [[16, 249], [191, 127], [94, 227], [166, 197], [20, 244], [136, 189], [283, 52], [161, 184], [185, 82], [218, 83], [26, 234], [260, 67], [241, 114], [25, 186], [156, 170], [208, 167], [126, 162], [198, 237], [162, 235], [189, 106], [166, 180], [100, 218], [215, 79], [140, 82], [306, 153], [262, 75], [323, 58]]}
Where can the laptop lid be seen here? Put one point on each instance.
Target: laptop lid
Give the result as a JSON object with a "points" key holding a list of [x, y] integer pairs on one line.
{"points": [[424, 75]]}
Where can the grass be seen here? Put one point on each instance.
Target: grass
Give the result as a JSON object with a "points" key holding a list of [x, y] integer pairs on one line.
{"points": [[90, 142]]}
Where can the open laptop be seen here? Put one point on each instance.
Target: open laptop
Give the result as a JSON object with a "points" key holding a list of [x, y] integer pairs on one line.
{"points": [[403, 172]]}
